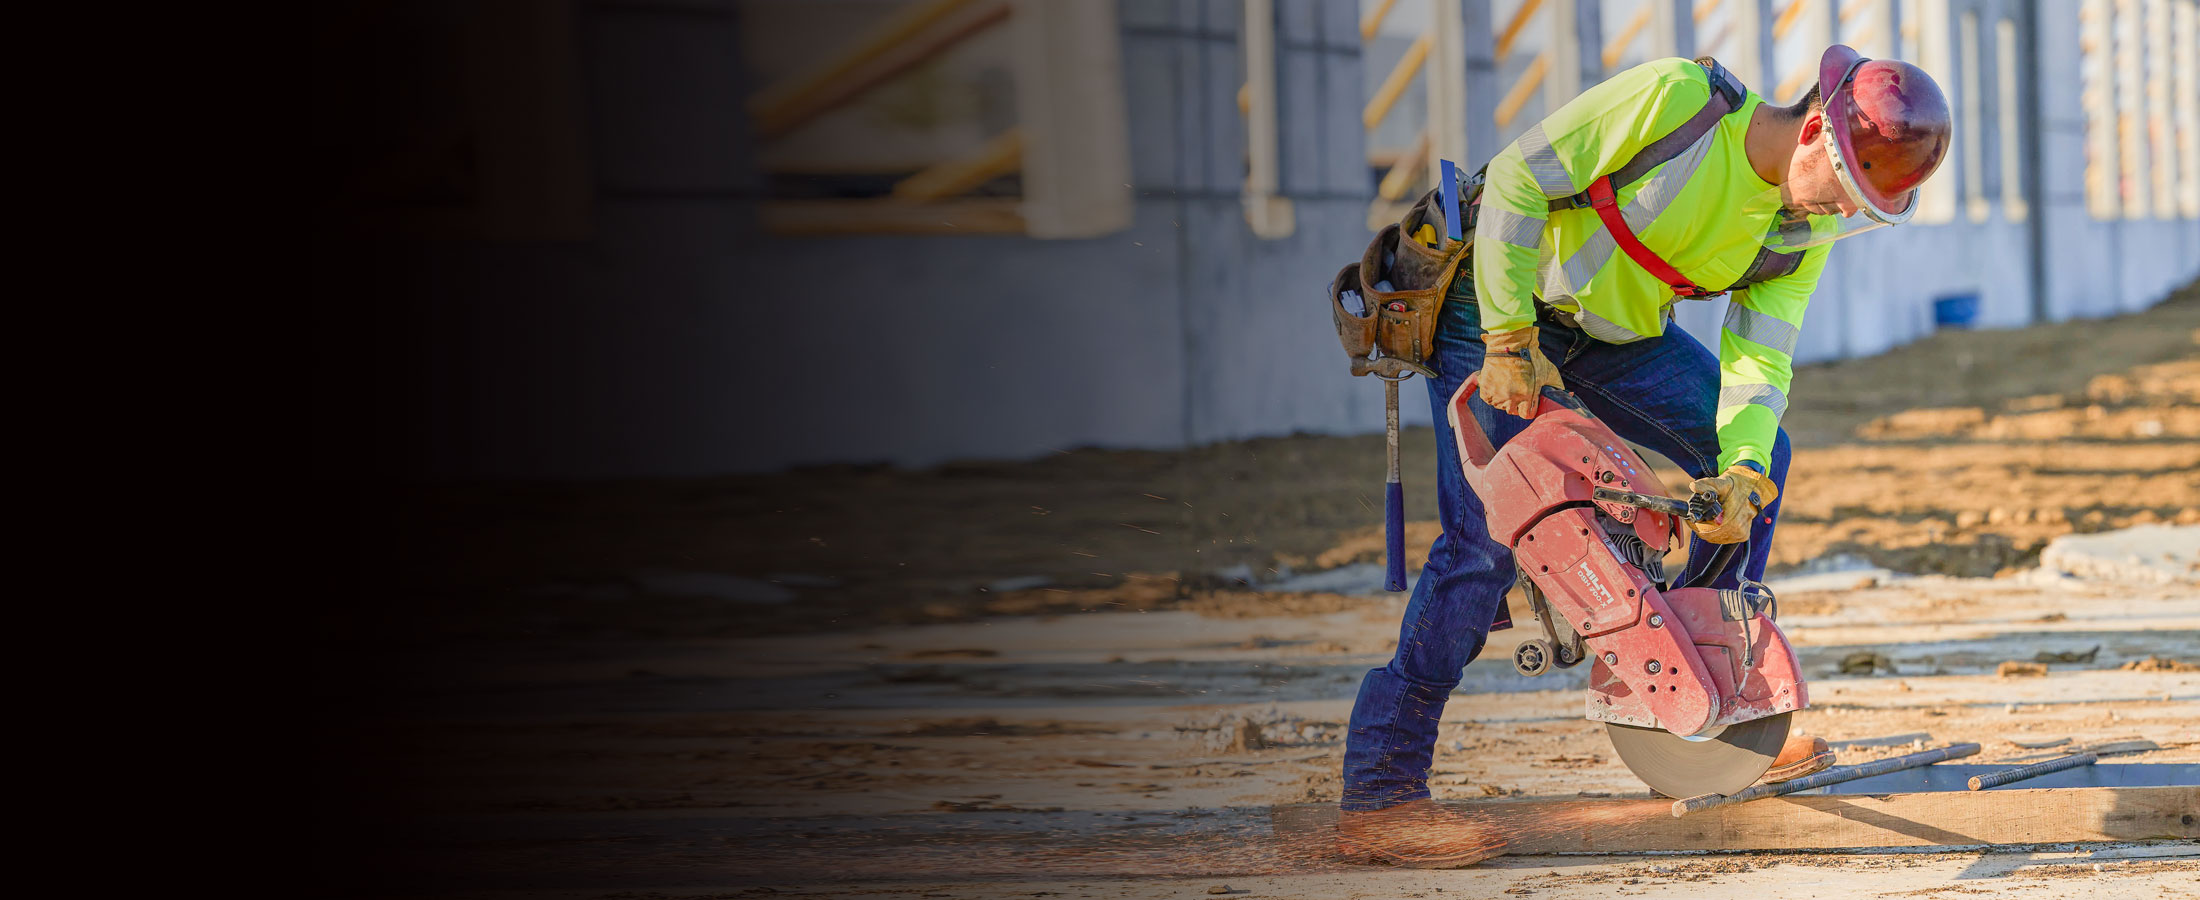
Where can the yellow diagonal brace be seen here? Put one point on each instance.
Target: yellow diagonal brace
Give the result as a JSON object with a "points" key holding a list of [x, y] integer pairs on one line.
{"points": [[1522, 90], [1793, 85], [1786, 22], [901, 42], [1513, 27], [1394, 85], [1408, 167], [1374, 20], [1000, 156], [1617, 46]]}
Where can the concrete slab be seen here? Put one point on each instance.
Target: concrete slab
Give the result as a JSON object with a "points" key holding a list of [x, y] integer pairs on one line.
{"points": [[2156, 554]]}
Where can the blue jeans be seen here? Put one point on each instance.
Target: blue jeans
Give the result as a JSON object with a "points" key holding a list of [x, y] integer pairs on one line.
{"points": [[1661, 393]]}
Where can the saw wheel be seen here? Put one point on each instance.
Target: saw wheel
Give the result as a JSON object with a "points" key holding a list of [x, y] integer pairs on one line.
{"points": [[1733, 757]]}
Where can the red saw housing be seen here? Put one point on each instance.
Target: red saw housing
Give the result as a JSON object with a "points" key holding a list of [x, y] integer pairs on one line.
{"points": [[1685, 660]]}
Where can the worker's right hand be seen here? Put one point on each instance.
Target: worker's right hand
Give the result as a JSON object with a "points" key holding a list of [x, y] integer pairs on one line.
{"points": [[1515, 371], [1743, 494]]}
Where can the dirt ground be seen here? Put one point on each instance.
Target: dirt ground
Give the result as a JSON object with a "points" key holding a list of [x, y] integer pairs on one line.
{"points": [[1090, 675], [1961, 454]]}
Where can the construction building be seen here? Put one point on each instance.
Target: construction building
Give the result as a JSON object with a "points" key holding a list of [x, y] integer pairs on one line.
{"points": [[688, 237]]}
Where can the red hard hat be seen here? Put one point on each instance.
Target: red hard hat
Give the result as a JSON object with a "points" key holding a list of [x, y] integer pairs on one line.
{"points": [[1893, 129]]}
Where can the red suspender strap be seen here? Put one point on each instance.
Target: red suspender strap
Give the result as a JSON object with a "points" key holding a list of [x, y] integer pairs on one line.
{"points": [[1607, 206]]}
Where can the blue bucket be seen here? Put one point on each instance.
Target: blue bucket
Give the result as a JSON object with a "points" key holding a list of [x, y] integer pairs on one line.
{"points": [[1955, 311]]}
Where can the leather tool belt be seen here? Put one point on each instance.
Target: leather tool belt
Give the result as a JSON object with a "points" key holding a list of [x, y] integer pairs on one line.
{"points": [[1400, 282]]}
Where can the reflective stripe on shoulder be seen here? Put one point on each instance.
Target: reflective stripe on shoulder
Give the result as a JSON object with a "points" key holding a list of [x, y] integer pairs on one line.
{"points": [[1550, 174], [1764, 395], [1510, 227], [1761, 328]]}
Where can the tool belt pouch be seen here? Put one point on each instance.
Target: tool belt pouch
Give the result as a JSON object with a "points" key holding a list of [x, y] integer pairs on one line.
{"points": [[1354, 315], [1417, 277]]}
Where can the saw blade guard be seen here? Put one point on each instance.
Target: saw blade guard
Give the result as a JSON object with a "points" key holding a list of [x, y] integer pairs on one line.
{"points": [[1752, 670]]}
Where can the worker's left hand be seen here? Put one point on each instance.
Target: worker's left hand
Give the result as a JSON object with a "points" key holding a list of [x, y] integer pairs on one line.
{"points": [[1743, 495], [1515, 372]]}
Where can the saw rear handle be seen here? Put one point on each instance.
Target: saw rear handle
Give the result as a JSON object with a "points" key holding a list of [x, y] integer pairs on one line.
{"points": [[1704, 507]]}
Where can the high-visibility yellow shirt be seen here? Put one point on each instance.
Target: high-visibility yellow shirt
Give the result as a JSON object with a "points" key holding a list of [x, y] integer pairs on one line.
{"points": [[1689, 210]]}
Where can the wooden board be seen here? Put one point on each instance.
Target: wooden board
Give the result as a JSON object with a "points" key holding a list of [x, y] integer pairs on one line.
{"points": [[1821, 822], [977, 215]]}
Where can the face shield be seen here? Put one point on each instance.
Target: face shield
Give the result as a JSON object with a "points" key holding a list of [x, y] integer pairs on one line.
{"points": [[1793, 231], [1878, 148], [1846, 120]]}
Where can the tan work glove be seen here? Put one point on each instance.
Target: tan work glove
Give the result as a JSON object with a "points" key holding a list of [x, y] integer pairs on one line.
{"points": [[1743, 495], [1514, 372]]}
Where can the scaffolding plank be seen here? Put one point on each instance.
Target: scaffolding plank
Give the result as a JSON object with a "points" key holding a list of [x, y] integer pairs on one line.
{"points": [[1827, 822]]}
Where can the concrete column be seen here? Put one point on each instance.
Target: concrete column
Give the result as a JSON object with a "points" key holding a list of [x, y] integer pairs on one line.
{"points": [[1751, 57], [1466, 55], [1069, 99], [1974, 127], [1821, 24], [2097, 101], [2160, 112], [2026, 65], [1936, 54], [1577, 59], [1589, 43], [1672, 28], [2186, 79], [2131, 84], [1446, 84], [1881, 28], [1999, 110], [1268, 212], [1563, 80]]}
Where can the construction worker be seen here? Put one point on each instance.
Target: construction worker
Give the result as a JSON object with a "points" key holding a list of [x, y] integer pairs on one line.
{"points": [[1556, 298]]}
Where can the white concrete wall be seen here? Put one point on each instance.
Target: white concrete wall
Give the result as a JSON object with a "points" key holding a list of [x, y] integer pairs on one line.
{"points": [[681, 340]]}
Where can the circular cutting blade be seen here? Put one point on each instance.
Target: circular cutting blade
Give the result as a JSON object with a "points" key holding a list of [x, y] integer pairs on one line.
{"points": [[1680, 768]]}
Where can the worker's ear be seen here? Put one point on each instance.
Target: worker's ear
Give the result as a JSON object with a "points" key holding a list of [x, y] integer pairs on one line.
{"points": [[1813, 124]]}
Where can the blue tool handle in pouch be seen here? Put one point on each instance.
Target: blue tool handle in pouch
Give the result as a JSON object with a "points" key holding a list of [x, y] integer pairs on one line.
{"points": [[1448, 187]]}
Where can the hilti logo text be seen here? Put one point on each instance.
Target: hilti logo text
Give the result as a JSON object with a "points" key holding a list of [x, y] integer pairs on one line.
{"points": [[1589, 576]]}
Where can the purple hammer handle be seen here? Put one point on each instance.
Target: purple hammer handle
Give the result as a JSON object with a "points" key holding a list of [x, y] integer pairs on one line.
{"points": [[1394, 536], [1394, 497]]}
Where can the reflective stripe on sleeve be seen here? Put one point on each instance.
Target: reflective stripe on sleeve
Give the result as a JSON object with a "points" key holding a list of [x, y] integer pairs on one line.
{"points": [[1761, 328], [1764, 395], [1542, 160], [1510, 227]]}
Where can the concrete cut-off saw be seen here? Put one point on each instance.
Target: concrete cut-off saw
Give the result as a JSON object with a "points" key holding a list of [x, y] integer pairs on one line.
{"points": [[1694, 685]]}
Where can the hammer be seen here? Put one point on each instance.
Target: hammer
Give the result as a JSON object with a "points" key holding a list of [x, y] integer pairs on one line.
{"points": [[1392, 371], [1394, 497]]}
